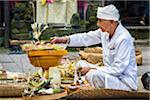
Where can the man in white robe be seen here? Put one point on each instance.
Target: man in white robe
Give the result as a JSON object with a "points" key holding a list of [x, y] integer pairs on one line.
{"points": [[120, 69]]}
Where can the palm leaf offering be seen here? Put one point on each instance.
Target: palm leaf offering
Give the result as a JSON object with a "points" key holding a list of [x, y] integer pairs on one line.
{"points": [[38, 29], [41, 46], [67, 72], [38, 85]]}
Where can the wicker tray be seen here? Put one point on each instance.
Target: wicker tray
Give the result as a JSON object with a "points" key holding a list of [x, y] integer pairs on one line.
{"points": [[12, 89], [97, 94], [46, 58]]}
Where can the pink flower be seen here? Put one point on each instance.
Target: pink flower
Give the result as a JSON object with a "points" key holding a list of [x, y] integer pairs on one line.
{"points": [[50, 1]]}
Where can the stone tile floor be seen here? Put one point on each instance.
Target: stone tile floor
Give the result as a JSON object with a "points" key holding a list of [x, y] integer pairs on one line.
{"points": [[146, 60], [20, 62]]}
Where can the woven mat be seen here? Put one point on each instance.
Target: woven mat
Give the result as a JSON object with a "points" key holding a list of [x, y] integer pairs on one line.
{"points": [[11, 89], [106, 93]]}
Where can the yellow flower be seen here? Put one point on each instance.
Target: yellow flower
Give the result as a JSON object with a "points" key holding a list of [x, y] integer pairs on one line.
{"points": [[43, 2]]}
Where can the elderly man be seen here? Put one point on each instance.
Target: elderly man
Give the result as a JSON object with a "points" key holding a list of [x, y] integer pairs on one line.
{"points": [[120, 69]]}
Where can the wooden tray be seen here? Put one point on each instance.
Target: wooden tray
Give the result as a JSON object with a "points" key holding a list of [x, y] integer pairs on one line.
{"points": [[46, 58], [47, 97]]}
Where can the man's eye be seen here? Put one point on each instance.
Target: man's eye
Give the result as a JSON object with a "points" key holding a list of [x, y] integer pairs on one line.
{"points": [[100, 20]]}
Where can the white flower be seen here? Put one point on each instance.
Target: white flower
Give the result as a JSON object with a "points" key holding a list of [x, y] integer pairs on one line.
{"points": [[37, 31], [45, 27], [34, 26]]}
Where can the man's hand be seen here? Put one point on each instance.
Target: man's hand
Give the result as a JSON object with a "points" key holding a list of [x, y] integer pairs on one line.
{"points": [[84, 70], [59, 40]]}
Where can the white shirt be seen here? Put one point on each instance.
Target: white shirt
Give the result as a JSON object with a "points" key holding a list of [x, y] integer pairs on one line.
{"points": [[118, 53]]}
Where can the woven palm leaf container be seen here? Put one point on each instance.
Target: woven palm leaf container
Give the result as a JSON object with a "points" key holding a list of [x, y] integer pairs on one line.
{"points": [[46, 58], [12, 89]]}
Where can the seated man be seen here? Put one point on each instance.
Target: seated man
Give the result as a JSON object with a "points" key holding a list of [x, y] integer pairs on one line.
{"points": [[120, 69]]}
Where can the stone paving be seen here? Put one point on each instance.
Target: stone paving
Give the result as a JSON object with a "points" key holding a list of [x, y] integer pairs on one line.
{"points": [[146, 60], [20, 62], [16, 63]]}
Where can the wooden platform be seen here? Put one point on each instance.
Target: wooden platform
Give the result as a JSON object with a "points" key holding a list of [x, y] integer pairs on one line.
{"points": [[47, 97]]}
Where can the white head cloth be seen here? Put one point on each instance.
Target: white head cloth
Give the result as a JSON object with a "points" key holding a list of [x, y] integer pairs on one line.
{"points": [[109, 12]]}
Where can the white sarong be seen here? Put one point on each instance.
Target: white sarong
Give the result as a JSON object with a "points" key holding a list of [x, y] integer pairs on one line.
{"points": [[99, 79]]}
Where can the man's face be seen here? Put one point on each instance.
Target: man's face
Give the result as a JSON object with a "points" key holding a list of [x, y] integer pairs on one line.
{"points": [[104, 25]]}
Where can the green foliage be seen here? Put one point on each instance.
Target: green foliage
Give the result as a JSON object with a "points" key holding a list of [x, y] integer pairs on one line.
{"points": [[75, 20], [140, 33], [50, 32], [57, 90], [22, 18], [91, 17], [1, 40]]}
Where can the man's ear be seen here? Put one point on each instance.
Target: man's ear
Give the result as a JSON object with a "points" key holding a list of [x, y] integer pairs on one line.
{"points": [[111, 21]]}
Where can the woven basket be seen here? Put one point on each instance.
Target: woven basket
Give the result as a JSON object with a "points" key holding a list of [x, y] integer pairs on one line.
{"points": [[46, 58], [12, 89], [139, 59]]}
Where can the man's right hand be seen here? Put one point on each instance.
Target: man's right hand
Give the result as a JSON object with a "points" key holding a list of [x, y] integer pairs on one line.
{"points": [[59, 40], [84, 70]]}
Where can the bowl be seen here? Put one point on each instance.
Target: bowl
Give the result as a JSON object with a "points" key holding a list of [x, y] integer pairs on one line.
{"points": [[46, 58]]}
